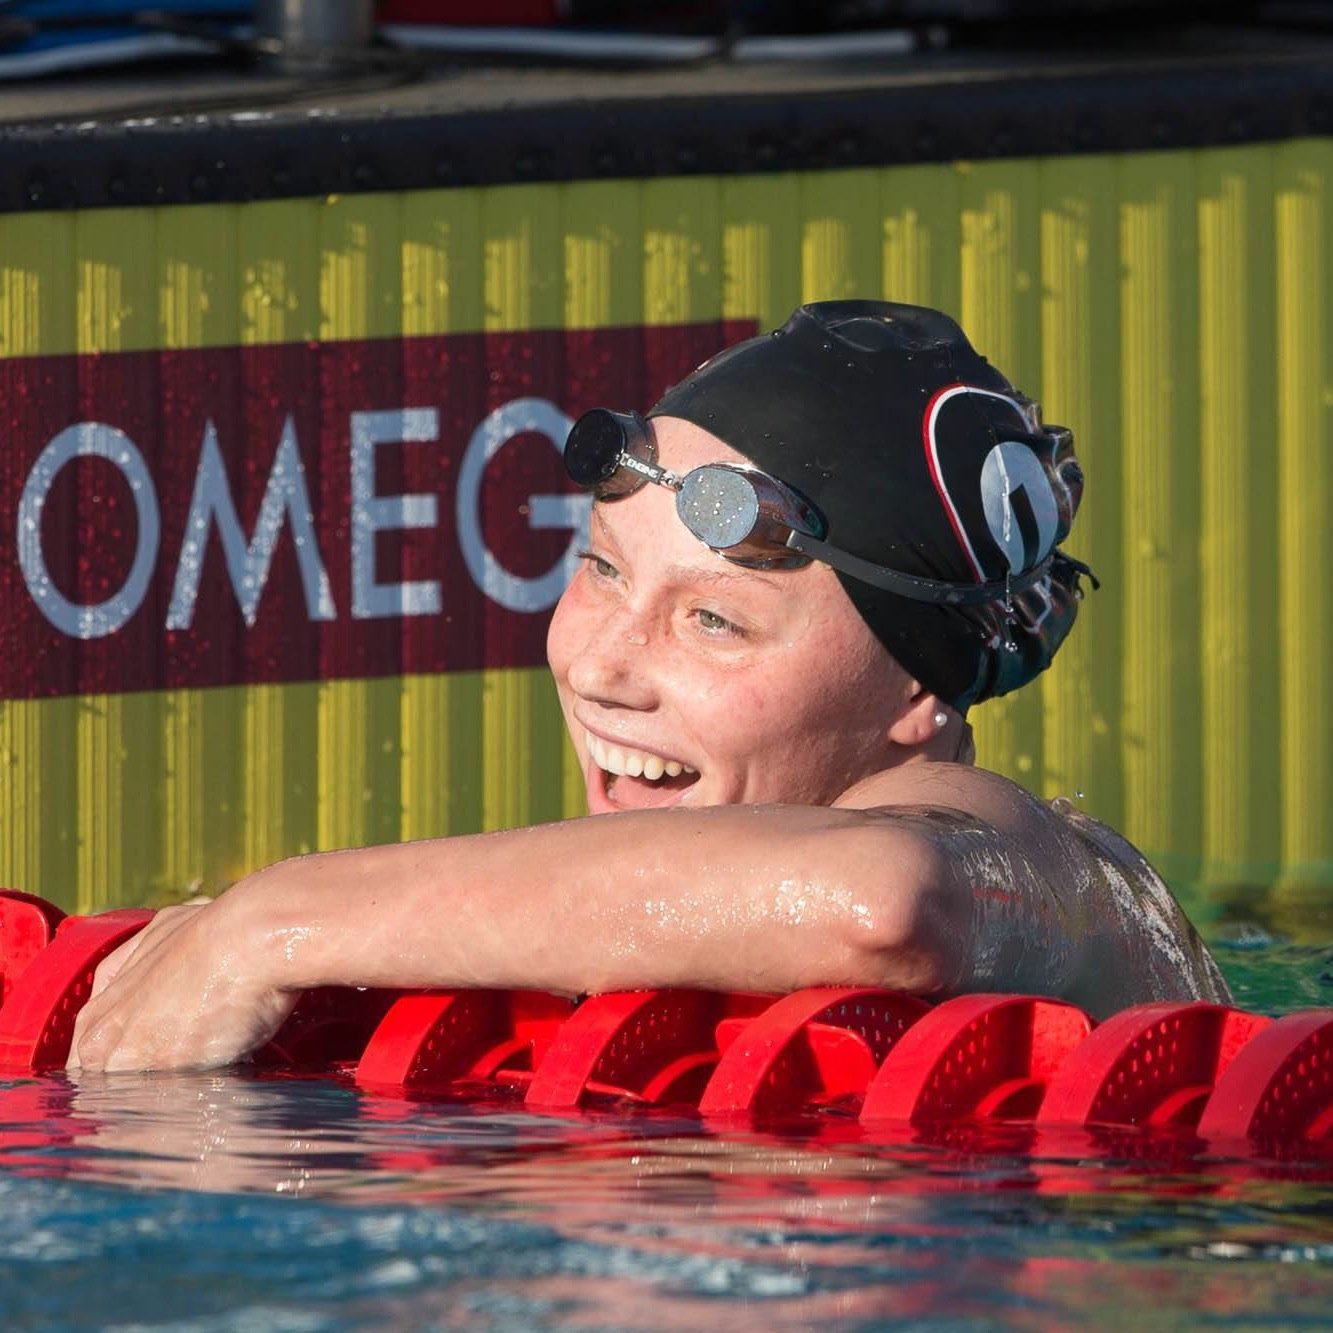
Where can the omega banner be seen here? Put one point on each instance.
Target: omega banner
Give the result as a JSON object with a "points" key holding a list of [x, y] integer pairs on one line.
{"points": [[302, 511], [305, 450]]}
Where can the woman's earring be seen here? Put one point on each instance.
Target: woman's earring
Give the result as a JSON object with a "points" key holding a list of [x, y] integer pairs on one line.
{"points": [[941, 718]]}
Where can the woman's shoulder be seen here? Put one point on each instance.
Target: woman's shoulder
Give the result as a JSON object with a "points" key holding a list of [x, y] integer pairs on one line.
{"points": [[1092, 877], [966, 790]]}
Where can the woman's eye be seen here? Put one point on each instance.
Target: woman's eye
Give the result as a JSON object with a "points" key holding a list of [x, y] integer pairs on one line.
{"points": [[716, 624], [603, 569]]}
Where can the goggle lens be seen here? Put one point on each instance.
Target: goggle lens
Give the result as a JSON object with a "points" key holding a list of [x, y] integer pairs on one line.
{"points": [[719, 506], [611, 454], [745, 515]]}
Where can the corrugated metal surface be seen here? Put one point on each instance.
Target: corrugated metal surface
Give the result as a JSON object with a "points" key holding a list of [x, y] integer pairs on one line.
{"points": [[1172, 308], [1303, 179]]}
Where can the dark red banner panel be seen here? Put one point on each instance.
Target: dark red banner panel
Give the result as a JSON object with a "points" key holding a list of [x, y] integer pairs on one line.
{"points": [[300, 512]]}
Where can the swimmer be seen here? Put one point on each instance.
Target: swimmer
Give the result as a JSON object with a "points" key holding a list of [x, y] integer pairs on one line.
{"points": [[804, 567]]}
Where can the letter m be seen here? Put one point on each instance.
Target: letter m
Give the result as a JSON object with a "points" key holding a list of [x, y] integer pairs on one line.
{"points": [[248, 562]]}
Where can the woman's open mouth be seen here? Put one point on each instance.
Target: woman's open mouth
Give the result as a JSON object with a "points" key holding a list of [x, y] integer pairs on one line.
{"points": [[636, 779]]}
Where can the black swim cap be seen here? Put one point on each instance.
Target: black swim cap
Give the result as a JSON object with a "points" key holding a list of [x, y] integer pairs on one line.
{"points": [[921, 457]]}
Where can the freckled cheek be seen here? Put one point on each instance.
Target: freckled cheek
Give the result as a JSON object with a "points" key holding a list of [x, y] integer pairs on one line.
{"points": [[790, 718], [569, 621], [733, 720]]}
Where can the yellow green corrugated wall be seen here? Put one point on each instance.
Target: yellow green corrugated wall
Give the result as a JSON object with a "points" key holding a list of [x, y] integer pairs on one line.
{"points": [[1173, 307]]}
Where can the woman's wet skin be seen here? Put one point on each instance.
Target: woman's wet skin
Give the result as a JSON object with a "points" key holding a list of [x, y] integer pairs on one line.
{"points": [[756, 679]]}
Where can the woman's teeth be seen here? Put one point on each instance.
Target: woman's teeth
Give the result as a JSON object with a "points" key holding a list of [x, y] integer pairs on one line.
{"points": [[623, 762]]}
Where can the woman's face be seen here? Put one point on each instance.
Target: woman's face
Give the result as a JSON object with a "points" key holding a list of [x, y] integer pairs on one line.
{"points": [[686, 679]]}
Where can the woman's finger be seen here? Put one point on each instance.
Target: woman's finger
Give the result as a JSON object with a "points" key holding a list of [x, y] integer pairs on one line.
{"points": [[163, 924], [132, 953]]}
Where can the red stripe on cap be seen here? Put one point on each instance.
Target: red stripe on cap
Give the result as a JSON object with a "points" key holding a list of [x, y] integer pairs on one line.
{"points": [[938, 400], [933, 408]]}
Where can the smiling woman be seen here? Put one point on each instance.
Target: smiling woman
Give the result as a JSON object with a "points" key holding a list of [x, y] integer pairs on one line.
{"points": [[758, 681], [820, 550]]}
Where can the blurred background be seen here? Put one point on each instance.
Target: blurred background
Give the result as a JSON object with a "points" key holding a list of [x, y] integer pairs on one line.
{"points": [[297, 299]]}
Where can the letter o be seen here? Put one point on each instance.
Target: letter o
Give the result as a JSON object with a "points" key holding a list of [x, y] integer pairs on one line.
{"points": [[88, 439]]}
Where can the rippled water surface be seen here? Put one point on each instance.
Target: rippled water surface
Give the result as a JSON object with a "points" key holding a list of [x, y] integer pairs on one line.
{"points": [[232, 1201]]}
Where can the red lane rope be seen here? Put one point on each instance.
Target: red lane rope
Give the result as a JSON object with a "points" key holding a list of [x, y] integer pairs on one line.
{"points": [[987, 1057], [977, 1060], [37, 1021], [431, 1041], [651, 1047], [1279, 1085], [27, 926], [816, 1046], [1152, 1065]]}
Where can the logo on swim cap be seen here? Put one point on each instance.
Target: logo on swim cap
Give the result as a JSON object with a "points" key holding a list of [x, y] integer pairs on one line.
{"points": [[989, 479], [1019, 505]]}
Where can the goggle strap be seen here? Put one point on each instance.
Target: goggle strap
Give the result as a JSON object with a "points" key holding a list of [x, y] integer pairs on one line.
{"points": [[936, 591]]}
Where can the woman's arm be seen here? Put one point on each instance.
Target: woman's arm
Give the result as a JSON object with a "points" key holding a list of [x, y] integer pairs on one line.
{"points": [[733, 897], [943, 880]]}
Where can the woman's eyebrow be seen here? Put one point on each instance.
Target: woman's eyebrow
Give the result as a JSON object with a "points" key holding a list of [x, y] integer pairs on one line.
{"points": [[727, 576], [720, 577]]}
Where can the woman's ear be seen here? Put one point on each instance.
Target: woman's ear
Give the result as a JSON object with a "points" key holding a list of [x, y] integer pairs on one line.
{"points": [[922, 718]]}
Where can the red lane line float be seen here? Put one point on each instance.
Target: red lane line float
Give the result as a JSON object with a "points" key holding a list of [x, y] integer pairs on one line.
{"points": [[1279, 1086], [979, 1057], [37, 1022], [1153, 1065], [977, 1065], [810, 1048], [27, 926], [654, 1047], [428, 1041]]}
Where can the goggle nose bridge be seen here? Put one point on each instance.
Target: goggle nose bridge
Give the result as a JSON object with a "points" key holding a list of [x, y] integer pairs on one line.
{"points": [[647, 470]]}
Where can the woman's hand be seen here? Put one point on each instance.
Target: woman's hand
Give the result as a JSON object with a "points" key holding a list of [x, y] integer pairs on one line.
{"points": [[189, 991]]}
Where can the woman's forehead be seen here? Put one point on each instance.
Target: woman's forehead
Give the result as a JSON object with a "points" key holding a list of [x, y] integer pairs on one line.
{"points": [[681, 445]]}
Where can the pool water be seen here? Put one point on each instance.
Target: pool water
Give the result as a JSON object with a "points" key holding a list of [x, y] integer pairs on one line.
{"points": [[236, 1201]]}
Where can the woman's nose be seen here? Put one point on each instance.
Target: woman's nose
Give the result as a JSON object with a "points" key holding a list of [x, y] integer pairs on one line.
{"points": [[613, 666]]}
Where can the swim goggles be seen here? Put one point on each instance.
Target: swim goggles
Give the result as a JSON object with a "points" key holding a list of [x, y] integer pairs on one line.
{"points": [[745, 515]]}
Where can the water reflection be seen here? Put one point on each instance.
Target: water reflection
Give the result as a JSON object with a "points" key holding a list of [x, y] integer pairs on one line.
{"points": [[235, 1133], [487, 1213]]}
